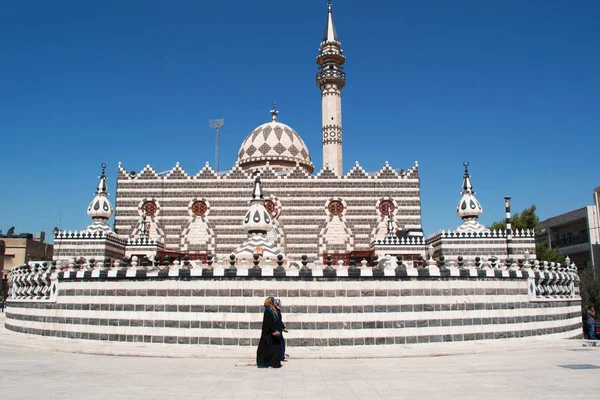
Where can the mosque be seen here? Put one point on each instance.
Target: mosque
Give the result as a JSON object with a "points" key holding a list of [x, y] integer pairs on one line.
{"points": [[321, 214], [191, 257]]}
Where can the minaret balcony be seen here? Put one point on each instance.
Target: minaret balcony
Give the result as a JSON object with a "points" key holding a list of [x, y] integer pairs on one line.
{"points": [[331, 77], [331, 56]]}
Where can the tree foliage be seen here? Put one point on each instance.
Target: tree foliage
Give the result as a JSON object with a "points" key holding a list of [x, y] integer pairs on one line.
{"points": [[543, 252], [589, 287], [528, 219]]}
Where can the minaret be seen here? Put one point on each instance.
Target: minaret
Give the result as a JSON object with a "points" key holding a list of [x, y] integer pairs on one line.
{"points": [[331, 79]]}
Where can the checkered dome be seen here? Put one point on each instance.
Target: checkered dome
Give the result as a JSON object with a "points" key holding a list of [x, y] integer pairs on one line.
{"points": [[276, 143]]}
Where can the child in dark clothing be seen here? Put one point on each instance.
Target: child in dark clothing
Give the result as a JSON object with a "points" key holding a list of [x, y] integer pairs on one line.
{"points": [[281, 328]]}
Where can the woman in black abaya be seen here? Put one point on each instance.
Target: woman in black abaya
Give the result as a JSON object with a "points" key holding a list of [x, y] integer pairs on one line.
{"points": [[269, 346]]}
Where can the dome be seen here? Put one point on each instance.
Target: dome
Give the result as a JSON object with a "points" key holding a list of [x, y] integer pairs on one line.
{"points": [[468, 207], [275, 143], [257, 219], [100, 207]]}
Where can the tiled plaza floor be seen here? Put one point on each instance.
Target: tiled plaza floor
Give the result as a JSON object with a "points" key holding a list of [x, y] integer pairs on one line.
{"points": [[570, 371]]}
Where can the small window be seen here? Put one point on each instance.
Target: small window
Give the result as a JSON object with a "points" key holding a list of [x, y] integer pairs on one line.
{"points": [[199, 208], [336, 208], [386, 207], [150, 207]]}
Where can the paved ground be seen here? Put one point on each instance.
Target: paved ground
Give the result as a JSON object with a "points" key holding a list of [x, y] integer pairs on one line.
{"points": [[536, 374], [493, 370]]}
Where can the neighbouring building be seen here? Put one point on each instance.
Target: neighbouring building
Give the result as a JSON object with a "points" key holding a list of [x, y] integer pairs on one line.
{"points": [[576, 234], [23, 247]]}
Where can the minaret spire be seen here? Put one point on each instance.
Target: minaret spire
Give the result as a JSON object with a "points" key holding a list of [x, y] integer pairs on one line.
{"points": [[467, 185], [331, 79], [330, 34]]}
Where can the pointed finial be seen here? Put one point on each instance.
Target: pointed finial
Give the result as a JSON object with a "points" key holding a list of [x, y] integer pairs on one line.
{"points": [[257, 193], [330, 33], [101, 188], [274, 112], [467, 186]]}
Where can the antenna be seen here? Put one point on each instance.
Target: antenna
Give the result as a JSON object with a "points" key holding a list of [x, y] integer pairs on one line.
{"points": [[217, 124]]}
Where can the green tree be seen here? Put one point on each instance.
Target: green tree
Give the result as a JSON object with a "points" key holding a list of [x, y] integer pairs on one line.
{"points": [[528, 219], [543, 252], [589, 288]]}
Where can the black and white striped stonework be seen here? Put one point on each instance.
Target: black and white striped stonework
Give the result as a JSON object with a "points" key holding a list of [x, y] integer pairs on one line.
{"points": [[98, 245], [484, 244], [509, 232], [301, 199], [322, 308]]}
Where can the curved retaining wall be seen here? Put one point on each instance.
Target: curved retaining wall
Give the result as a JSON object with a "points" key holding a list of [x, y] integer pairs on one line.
{"points": [[318, 311]]}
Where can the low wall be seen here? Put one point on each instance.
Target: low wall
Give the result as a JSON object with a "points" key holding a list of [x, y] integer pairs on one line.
{"points": [[321, 308]]}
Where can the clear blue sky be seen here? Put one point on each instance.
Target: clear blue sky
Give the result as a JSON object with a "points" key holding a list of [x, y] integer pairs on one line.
{"points": [[511, 86]]}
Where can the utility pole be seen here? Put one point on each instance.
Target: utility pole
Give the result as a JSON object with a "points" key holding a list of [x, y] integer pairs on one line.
{"points": [[217, 124]]}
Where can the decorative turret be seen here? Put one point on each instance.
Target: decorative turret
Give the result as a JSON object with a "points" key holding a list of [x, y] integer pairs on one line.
{"points": [[257, 222], [100, 209], [468, 207], [257, 219], [331, 79]]}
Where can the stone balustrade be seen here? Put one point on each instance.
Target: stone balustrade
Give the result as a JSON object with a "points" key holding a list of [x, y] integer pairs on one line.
{"points": [[220, 302]]}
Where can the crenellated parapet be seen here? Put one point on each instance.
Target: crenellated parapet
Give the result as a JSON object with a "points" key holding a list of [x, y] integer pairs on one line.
{"points": [[87, 235], [400, 241], [523, 233], [207, 173], [142, 242]]}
